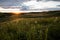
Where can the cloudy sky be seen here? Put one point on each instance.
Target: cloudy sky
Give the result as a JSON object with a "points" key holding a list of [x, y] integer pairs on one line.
{"points": [[31, 5]]}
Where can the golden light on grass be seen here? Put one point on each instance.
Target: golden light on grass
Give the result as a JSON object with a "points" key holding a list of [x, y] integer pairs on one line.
{"points": [[16, 15]]}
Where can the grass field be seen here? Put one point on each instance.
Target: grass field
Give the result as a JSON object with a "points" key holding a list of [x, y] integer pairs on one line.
{"points": [[44, 28]]}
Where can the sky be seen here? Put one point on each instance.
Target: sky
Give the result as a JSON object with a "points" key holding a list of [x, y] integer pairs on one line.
{"points": [[29, 5]]}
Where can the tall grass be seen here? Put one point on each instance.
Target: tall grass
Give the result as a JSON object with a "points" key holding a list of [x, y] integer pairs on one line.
{"points": [[29, 28]]}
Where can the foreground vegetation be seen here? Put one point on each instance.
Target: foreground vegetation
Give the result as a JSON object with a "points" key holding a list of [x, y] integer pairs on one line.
{"points": [[43, 28], [31, 29]]}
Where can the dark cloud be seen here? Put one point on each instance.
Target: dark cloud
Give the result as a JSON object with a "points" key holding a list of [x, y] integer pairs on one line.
{"points": [[16, 2], [51, 9], [56, 0], [11, 2], [4, 3]]}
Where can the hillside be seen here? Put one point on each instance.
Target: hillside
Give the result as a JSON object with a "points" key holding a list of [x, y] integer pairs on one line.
{"points": [[7, 16], [30, 26]]}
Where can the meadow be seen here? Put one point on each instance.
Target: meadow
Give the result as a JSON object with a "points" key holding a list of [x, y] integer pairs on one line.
{"points": [[41, 28]]}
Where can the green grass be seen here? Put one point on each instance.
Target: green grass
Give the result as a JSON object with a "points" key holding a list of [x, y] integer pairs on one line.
{"points": [[30, 26], [31, 29]]}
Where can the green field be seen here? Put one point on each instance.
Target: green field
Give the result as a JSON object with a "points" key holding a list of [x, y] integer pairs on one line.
{"points": [[41, 28]]}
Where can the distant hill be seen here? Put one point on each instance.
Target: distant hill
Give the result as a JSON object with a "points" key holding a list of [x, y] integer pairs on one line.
{"points": [[10, 16]]}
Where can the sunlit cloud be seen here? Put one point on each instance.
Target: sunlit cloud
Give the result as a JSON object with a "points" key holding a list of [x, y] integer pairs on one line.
{"points": [[9, 10], [41, 4]]}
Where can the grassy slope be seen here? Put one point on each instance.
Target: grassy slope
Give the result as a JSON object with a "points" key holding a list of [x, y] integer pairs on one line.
{"points": [[47, 28]]}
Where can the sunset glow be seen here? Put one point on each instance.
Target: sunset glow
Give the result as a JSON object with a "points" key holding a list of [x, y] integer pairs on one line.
{"points": [[16, 13]]}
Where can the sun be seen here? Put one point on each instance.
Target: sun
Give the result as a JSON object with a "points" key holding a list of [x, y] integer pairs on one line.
{"points": [[16, 13]]}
